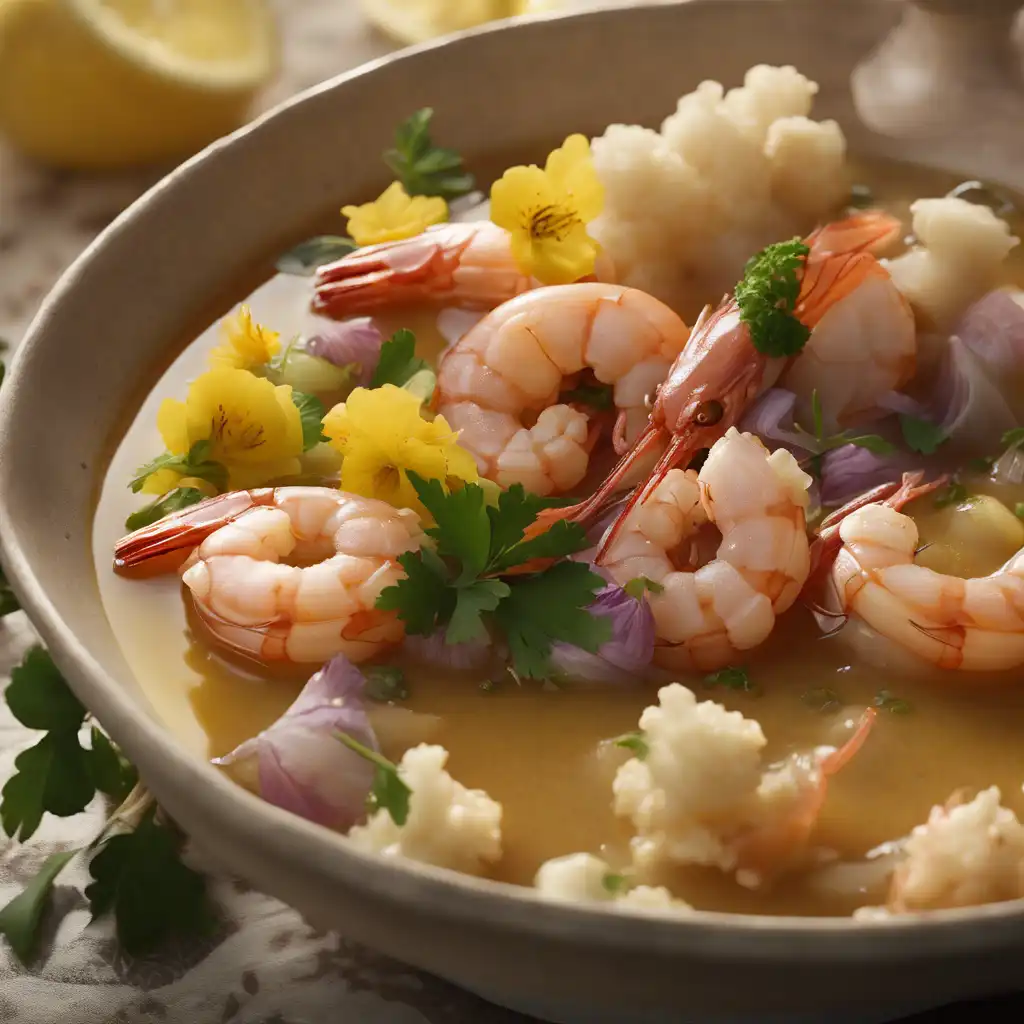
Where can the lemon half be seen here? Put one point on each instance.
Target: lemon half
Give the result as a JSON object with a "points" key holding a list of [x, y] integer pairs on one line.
{"points": [[96, 84]]}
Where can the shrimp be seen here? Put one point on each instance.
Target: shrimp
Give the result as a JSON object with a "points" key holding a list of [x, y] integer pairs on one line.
{"points": [[510, 368], [863, 341], [791, 798], [230, 550], [468, 265], [720, 372], [951, 623], [704, 618]]}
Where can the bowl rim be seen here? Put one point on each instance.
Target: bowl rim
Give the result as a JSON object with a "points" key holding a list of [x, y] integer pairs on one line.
{"points": [[439, 892]]}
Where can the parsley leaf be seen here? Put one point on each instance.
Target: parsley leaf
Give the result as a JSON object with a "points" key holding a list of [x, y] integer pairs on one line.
{"points": [[732, 678], [398, 362], [551, 606], [20, 919], [921, 435], [52, 776], [470, 603], [8, 599], [1014, 438], [307, 257], [614, 884], [311, 415], [423, 168], [635, 742], [597, 396], [111, 773], [952, 494], [640, 585], [39, 697], [389, 793], [195, 462], [822, 699], [887, 702], [515, 511], [140, 876], [463, 529], [872, 442], [421, 598], [385, 683], [172, 501], [767, 298]]}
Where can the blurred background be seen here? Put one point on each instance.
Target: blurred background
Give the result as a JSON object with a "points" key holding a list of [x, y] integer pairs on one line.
{"points": [[100, 98]]}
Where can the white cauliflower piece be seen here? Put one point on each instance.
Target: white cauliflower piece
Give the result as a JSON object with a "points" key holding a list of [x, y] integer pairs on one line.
{"points": [[448, 825], [695, 787], [964, 855], [728, 173], [583, 878], [959, 253]]}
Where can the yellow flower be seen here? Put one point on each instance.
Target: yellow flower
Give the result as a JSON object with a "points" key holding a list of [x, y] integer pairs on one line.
{"points": [[547, 212], [382, 435], [394, 215], [162, 481], [253, 427], [245, 343]]}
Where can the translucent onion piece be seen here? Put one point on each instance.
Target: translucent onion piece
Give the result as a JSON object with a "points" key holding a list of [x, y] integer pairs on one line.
{"points": [[993, 328], [435, 652], [350, 343], [771, 419], [849, 471]]}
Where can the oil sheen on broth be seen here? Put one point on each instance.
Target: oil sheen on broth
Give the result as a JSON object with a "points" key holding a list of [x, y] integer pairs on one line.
{"points": [[536, 748]]}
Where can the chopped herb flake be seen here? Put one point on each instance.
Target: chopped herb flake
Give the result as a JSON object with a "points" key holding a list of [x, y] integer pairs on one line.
{"points": [[598, 396], [389, 793], [385, 683], [921, 435], [887, 702], [635, 742], [615, 884], [732, 678], [641, 585], [953, 494]]}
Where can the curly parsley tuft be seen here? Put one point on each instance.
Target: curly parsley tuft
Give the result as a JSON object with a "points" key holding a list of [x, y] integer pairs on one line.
{"points": [[767, 298]]}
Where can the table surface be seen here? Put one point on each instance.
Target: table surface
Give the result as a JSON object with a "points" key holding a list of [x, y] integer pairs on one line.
{"points": [[265, 965]]}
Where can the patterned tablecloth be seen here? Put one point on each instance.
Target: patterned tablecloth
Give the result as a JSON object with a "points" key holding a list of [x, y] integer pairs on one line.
{"points": [[265, 965]]}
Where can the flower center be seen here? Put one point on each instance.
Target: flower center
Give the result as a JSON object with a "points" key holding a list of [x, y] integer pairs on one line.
{"points": [[552, 221], [387, 478], [234, 431]]}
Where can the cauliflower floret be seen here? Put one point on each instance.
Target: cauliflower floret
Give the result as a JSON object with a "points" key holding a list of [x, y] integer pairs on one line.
{"points": [[584, 878], [960, 250], [448, 825], [702, 768], [728, 173], [966, 854]]}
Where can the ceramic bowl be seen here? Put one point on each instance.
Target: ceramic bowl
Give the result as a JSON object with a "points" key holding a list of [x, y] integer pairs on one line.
{"points": [[117, 316]]}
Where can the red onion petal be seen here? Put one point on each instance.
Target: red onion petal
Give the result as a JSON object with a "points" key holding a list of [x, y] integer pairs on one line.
{"points": [[849, 471], [301, 766], [628, 652], [434, 651], [771, 419], [350, 343], [994, 329]]}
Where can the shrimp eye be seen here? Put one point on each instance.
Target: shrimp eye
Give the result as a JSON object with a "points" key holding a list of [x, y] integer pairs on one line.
{"points": [[709, 413]]}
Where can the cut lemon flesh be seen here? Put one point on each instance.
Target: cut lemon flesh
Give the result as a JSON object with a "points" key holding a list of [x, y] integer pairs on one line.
{"points": [[91, 84]]}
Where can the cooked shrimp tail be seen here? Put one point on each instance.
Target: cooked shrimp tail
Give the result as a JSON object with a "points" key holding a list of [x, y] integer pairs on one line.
{"points": [[871, 231], [839, 759], [164, 546]]}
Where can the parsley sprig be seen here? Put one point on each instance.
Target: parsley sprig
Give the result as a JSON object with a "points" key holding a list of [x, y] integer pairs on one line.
{"points": [[457, 585], [819, 442], [767, 298], [389, 791], [137, 872], [423, 168]]}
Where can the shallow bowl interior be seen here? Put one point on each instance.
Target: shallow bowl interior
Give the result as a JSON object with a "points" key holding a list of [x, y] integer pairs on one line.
{"points": [[116, 315]]}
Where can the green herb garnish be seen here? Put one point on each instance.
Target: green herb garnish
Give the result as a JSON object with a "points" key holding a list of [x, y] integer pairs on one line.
{"points": [[423, 168], [614, 884], [307, 257], [822, 699], [597, 396], [398, 362], [1014, 438], [767, 298], [385, 683], [872, 442], [311, 414], [172, 501], [921, 435], [195, 462], [952, 494], [20, 919], [635, 742], [389, 792], [641, 585], [887, 702], [732, 678], [8, 599], [455, 586], [140, 878]]}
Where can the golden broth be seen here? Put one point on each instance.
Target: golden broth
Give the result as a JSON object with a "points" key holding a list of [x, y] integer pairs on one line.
{"points": [[537, 749]]}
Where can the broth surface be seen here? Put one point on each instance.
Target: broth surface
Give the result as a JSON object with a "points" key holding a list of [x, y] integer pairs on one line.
{"points": [[537, 750]]}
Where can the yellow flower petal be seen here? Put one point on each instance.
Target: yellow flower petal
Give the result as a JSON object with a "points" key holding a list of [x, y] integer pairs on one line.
{"points": [[245, 343], [160, 482], [171, 421], [564, 260], [517, 195], [393, 215], [572, 174]]}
